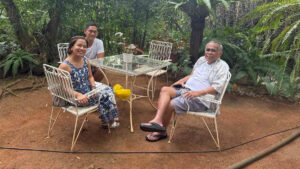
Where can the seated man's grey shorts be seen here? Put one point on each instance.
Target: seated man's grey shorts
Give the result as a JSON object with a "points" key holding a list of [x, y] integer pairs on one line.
{"points": [[180, 103]]}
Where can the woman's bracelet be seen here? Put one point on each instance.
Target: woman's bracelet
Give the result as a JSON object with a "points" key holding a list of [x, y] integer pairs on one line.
{"points": [[93, 87]]}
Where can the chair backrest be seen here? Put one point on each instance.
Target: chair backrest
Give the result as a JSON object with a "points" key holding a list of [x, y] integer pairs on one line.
{"points": [[160, 50], [220, 97], [62, 51], [59, 83]]}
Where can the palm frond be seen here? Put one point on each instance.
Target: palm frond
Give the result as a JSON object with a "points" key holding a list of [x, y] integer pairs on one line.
{"points": [[206, 3], [7, 66], [15, 67], [272, 20], [277, 42], [290, 31], [225, 4], [245, 37], [30, 59]]}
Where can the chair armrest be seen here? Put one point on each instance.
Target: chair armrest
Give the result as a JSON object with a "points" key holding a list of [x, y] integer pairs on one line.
{"points": [[98, 88], [91, 93], [209, 98], [140, 56]]}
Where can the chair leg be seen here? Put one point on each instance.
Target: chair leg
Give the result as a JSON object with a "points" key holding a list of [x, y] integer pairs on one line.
{"points": [[167, 78], [173, 127], [76, 135], [153, 87], [217, 142], [108, 126], [217, 133], [52, 121], [107, 81]]}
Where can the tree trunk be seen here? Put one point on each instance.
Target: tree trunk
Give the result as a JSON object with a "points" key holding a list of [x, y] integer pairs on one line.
{"points": [[135, 21], [145, 31], [20, 29], [197, 13], [48, 39], [197, 25]]}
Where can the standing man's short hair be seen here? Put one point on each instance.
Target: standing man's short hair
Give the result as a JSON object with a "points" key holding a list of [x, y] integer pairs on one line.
{"points": [[90, 24]]}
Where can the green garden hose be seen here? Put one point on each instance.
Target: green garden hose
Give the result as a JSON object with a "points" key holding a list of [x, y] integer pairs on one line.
{"points": [[267, 151]]}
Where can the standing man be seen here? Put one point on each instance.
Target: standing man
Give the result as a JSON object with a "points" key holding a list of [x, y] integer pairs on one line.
{"points": [[95, 47], [208, 77]]}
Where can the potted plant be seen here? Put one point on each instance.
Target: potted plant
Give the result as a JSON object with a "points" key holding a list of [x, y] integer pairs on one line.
{"points": [[128, 49]]}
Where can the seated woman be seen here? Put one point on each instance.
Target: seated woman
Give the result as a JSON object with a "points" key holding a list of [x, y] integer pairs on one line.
{"points": [[83, 82]]}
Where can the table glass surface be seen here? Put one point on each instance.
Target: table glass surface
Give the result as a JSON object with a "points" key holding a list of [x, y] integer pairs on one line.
{"points": [[139, 65]]}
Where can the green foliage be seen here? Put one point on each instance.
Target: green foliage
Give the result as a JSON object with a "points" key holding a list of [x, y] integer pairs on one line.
{"points": [[247, 62], [267, 54], [277, 33], [16, 60], [211, 5], [182, 66]]}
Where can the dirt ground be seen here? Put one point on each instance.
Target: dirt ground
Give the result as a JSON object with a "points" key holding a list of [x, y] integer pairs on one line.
{"points": [[24, 124]]}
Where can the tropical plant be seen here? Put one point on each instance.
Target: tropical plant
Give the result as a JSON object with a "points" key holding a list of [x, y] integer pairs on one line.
{"points": [[277, 33], [124, 45], [247, 62], [198, 10], [16, 60], [182, 66]]}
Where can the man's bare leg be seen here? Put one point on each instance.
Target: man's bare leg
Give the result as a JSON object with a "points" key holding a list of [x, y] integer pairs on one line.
{"points": [[166, 119], [165, 107]]}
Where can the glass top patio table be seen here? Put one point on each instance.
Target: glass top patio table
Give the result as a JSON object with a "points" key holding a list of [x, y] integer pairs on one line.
{"points": [[139, 65]]}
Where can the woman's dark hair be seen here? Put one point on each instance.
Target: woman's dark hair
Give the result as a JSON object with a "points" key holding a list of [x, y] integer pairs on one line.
{"points": [[72, 42]]}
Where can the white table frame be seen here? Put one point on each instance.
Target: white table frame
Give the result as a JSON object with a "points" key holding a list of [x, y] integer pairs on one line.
{"points": [[116, 64]]}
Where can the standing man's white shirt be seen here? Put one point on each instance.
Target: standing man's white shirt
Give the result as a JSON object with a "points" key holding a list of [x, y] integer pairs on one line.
{"points": [[96, 48]]}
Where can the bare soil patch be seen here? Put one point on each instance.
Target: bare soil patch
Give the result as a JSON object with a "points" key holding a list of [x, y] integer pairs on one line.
{"points": [[24, 124]]}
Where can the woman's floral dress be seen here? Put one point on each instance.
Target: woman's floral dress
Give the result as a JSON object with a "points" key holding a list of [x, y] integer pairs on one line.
{"points": [[107, 108]]}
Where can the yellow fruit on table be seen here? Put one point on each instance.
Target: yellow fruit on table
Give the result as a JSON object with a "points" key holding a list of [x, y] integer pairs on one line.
{"points": [[123, 94], [117, 87]]}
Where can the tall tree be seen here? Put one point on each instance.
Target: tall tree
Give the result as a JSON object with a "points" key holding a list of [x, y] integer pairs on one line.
{"points": [[16, 21], [49, 31], [197, 14], [198, 10], [46, 37]]}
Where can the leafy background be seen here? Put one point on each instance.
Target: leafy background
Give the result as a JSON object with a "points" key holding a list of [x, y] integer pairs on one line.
{"points": [[261, 38]]}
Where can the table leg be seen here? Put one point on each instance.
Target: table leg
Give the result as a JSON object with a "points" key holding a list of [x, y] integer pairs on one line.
{"points": [[130, 114], [130, 104], [126, 82]]}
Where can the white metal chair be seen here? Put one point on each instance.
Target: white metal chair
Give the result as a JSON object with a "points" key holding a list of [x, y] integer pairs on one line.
{"points": [[212, 112], [158, 50], [62, 49], [60, 87]]}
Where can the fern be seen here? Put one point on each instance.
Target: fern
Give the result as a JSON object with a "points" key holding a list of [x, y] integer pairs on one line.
{"points": [[16, 60], [290, 31]]}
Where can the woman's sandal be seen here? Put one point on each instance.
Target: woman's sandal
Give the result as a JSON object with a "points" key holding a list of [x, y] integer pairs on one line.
{"points": [[115, 124]]}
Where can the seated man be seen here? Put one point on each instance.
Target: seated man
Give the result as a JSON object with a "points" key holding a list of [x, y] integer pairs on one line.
{"points": [[208, 77], [95, 47]]}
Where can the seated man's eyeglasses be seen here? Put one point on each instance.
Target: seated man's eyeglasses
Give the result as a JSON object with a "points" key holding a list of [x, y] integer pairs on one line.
{"points": [[213, 50]]}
